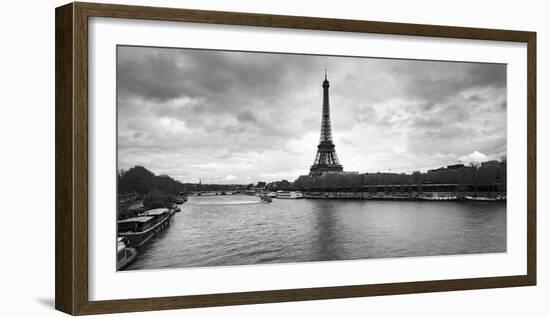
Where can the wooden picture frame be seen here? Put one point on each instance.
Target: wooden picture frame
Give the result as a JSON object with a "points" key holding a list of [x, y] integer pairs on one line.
{"points": [[71, 221]]}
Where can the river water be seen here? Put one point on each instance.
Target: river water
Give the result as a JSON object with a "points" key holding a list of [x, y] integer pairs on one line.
{"points": [[237, 229]]}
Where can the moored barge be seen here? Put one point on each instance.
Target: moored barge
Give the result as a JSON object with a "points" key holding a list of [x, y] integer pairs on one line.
{"points": [[141, 229]]}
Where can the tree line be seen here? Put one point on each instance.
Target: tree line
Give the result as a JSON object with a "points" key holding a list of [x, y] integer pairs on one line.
{"points": [[466, 176], [140, 180]]}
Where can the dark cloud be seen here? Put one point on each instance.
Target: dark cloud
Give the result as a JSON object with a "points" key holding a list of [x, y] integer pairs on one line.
{"points": [[240, 115], [246, 116], [437, 81], [427, 122]]}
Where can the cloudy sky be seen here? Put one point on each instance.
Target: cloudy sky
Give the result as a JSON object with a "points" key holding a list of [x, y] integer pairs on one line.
{"points": [[241, 117]]}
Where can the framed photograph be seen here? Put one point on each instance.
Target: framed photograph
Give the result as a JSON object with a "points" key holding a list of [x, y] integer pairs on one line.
{"points": [[211, 158]]}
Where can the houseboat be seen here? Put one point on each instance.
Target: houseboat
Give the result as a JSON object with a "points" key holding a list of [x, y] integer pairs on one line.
{"points": [[141, 229], [289, 194], [125, 255], [174, 208], [181, 200]]}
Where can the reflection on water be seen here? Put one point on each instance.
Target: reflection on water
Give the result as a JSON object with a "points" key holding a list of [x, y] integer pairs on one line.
{"points": [[236, 230]]}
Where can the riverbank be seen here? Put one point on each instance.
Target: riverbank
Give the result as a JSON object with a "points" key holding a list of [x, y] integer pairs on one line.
{"points": [[380, 195], [406, 196]]}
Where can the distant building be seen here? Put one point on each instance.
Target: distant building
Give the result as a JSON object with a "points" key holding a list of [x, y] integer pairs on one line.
{"points": [[490, 164], [342, 172], [436, 170], [457, 166]]}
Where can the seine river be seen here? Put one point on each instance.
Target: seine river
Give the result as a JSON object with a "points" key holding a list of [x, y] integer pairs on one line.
{"points": [[238, 229]]}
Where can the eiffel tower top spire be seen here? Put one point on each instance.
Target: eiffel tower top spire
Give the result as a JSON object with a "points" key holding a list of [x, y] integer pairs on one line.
{"points": [[326, 159]]}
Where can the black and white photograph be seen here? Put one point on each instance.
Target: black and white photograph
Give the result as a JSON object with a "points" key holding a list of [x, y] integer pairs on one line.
{"points": [[229, 158]]}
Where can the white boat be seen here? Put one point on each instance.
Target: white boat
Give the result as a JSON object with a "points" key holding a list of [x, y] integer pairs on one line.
{"points": [[265, 199], [208, 194], [125, 255], [486, 199], [289, 194]]}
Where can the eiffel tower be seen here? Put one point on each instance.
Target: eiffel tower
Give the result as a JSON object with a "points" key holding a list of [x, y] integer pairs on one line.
{"points": [[326, 159]]}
